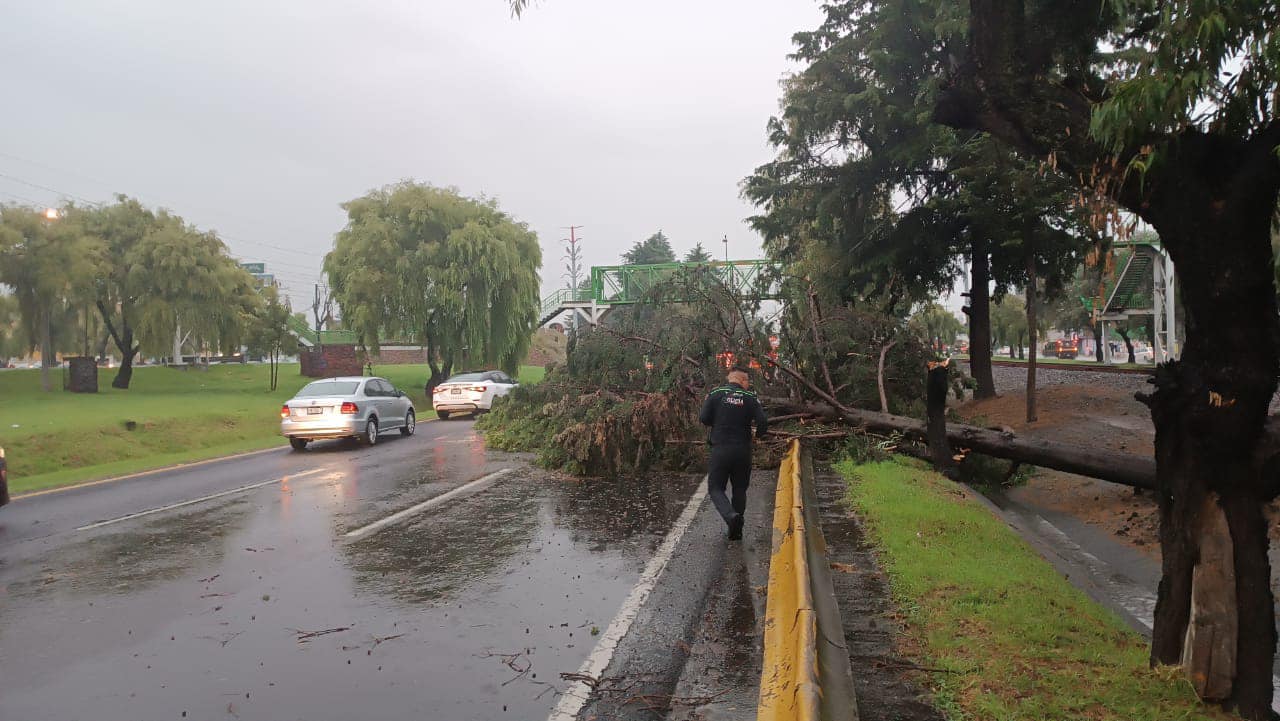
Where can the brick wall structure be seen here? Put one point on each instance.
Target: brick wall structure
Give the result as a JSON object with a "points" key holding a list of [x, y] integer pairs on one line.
{"points": [[345, 359], [331, 360]]}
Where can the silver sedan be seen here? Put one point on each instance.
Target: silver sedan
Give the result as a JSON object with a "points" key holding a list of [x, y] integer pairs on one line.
{"points": [[346, 407]]}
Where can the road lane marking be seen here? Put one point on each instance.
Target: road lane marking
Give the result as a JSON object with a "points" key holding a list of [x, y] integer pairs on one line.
{"points": [[576, 696], [465, 489], [162, 469], [201, 499]]}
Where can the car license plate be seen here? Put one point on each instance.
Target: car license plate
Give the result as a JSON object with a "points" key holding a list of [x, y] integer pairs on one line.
{"points": [[456, 391], [314, 411]]}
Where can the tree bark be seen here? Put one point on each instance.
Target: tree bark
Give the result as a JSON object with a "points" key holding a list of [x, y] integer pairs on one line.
{"points": [[1031, 333], [1211, 198], [884, 398], [1123, 468], [979, 312], [936, 425], [1128, 344], [46, 348], [1096, 329]]}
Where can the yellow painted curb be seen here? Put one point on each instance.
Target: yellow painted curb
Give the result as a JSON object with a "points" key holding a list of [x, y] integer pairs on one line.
{"points": [[802, 680]]}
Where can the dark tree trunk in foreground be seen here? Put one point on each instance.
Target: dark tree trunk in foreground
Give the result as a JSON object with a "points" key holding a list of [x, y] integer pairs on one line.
{"points": [[1096, 329], [1214, 610], [979, 311], [1211, 197]]}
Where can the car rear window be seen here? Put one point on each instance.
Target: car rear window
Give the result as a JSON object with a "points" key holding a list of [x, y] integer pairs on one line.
{"points": [[328, 388], [467, 378]]}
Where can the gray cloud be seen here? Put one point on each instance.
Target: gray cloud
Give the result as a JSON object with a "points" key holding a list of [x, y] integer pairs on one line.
{"points": [[257, 119]]}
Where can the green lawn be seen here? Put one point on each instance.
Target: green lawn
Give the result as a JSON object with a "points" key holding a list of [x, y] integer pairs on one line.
{"points": [[60, 438], [1014, 639]]}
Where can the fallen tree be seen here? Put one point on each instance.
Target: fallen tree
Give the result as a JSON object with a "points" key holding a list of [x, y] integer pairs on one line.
{"points": [[1123, 468]]}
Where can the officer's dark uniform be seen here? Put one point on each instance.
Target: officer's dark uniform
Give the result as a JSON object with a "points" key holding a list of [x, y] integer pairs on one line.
{"points": [[730, 410]]}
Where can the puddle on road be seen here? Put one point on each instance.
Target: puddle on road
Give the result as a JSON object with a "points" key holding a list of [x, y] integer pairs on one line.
{"points": [[470, 610], [129, 561]]}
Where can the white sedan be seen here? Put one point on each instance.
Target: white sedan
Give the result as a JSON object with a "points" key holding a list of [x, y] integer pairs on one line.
{"points": [[471, 392]]}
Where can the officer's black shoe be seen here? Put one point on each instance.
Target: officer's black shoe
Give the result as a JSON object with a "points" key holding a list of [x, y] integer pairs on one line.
{"points": [[735, 527]]}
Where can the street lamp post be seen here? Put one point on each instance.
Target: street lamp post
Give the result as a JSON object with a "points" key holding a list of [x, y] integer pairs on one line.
{"points": [[726, 248]]}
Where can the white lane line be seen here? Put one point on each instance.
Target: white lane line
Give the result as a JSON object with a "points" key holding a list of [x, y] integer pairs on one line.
{"points": [[465, 489], [575, 697], [201, 499]]}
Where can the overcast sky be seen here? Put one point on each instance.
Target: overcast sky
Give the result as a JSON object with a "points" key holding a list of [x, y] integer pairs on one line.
{"points": [[257, 119]]}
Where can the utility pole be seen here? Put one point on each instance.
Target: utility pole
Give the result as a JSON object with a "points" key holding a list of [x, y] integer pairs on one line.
{"points": [[726, 247], [573, 265]]}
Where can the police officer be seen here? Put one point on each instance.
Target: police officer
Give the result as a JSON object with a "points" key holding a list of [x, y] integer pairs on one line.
{"points": [[730, 410]]}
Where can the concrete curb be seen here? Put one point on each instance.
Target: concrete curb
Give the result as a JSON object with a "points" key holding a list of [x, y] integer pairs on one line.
{"points": [[806, 674]]}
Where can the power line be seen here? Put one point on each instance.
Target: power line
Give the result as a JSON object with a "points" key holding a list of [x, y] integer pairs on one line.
{"points": [[220, 234]]}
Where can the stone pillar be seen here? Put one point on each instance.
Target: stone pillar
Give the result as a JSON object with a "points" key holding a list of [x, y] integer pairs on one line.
{"points": [[83, 375]]}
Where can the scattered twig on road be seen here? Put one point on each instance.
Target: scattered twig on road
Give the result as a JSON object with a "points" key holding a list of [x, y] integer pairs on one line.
{"points": [[304, 636], [209, 579], [591, 681], [379, 639]]}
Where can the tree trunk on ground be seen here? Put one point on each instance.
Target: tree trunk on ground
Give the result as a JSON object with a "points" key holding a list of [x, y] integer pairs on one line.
{"points": [[1123, 468], [1128, 344], [1031, 333], [979, 312]]}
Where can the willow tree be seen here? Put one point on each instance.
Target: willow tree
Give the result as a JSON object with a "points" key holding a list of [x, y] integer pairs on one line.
{"points": [[426, 264], [155, 274], [49, 266], [1169, 109]]}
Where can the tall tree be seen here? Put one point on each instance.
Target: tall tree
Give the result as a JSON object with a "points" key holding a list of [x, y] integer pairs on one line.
{"points": [[654, 249], [900, 199], [422, 263], [1168, 108], [697, 254], [158, 273], [49, 266], [269, 331]]}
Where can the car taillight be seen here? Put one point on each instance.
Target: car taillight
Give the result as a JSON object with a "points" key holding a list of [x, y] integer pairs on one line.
{"points": [[349, 408], [284, 411], [478, 389]]}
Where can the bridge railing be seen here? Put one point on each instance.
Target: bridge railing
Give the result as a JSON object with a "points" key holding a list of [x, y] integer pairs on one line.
{"points": [[564, 296]]}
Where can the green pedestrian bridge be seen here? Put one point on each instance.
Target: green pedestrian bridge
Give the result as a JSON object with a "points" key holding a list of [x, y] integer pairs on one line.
{"points": [[617, 285]]}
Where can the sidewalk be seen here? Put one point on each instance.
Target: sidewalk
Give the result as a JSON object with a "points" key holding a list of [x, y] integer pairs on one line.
{"points": [[721, 678]]}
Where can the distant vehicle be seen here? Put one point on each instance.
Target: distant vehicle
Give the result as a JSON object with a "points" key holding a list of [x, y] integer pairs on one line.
{"points": [[1064, 348], [4, 479], [471, 392], [346, 407], [1143, 354]]}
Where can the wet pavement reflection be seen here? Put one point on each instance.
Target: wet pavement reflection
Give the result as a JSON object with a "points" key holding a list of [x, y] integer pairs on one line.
{"points": [[255, 606]]}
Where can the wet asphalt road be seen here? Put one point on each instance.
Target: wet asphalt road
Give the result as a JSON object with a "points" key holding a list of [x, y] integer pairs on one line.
{"points": [[254, 603]]}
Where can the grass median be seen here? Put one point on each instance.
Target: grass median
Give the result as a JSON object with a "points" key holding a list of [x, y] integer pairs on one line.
{"points": [[168, 416], [1009, 637]]}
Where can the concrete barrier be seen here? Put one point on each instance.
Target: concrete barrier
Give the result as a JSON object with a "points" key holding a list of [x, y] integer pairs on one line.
{"points": [[806, 675]]}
